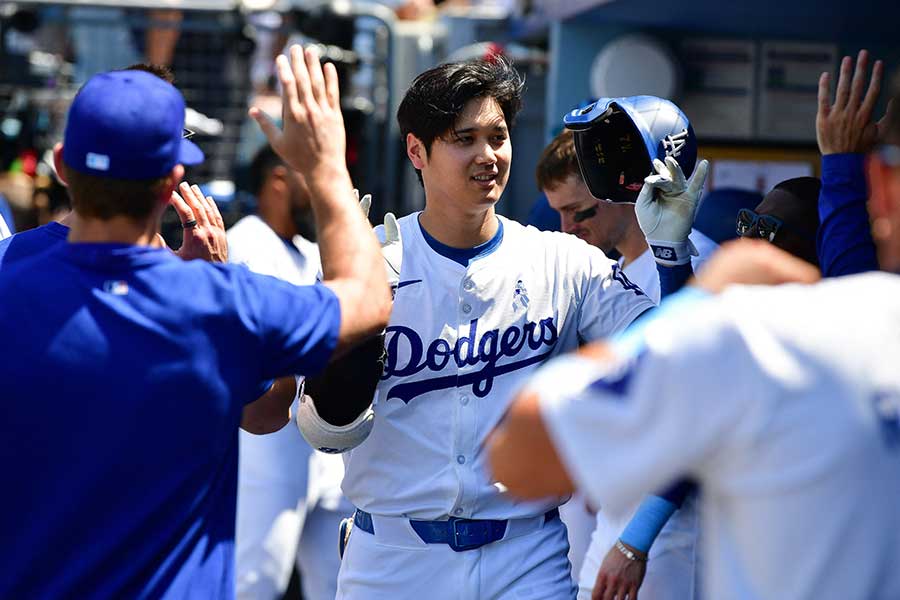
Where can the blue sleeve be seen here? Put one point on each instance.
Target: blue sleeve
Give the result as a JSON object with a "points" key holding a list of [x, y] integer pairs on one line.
{"points": [[672, 279], [297, 326], [844, 242]]}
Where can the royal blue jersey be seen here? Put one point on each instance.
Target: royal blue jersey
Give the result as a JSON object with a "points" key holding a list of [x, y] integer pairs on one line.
{"points": [[125, 373], [31, 242]]}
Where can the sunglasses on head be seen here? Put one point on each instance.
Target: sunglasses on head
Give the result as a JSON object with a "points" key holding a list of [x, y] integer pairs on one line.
{"points": [[750, 224]]}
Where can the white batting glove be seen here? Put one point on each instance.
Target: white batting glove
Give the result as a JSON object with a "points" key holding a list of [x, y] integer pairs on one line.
{"points": [[391, 244], [666, 208]]}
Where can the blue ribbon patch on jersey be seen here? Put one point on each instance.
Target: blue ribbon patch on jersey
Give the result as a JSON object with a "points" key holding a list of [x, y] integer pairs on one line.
{"points": [[489, 349]]}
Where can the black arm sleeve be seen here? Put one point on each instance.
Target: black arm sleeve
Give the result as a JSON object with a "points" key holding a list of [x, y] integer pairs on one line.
{"points": [[347, 385]]}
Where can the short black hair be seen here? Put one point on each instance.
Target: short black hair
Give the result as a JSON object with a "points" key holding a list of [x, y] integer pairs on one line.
{"points": [[436, 99], [262, 164]]}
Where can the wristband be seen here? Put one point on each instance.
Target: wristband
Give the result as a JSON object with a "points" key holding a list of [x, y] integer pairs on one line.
{"points": [[647, 522], [672, 254]]}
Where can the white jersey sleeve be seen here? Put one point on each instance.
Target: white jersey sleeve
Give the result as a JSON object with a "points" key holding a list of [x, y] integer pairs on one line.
{"points": [[607, 300], [631, 426]]}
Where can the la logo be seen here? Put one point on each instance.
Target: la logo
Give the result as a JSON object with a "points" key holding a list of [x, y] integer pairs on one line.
{"points": [[674, 143]]}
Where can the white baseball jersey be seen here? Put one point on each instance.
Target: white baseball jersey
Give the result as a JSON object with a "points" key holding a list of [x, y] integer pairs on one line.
{"points": [[280, 478], [672, 570], [460, 341], [784, 404]]}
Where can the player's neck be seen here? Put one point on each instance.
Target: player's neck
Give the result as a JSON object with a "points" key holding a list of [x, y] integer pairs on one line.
{"points": [[632, 246], [278, 217], [458, 229], [117, 230]]}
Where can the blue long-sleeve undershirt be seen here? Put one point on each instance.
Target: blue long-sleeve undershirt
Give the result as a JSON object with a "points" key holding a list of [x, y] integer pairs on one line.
{"points": [[844, 242]]}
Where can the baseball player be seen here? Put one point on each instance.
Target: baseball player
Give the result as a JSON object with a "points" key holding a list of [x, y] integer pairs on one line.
{"points": [[481, 301], [671, 569], [129, 484], [289, 502], [793, 401]]}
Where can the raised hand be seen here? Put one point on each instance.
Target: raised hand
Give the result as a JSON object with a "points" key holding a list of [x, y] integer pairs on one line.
{"points": [[202, 225], [846, 126], [666, 208], [312, 140]]}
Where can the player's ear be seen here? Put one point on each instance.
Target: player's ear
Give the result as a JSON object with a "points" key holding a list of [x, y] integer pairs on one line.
{"points": [[58, 163], [415, 150]]}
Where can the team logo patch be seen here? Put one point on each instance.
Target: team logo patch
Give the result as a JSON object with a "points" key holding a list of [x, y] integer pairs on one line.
{"points": [[520, 296], [620, 276], [115, 287], [674, 143]]}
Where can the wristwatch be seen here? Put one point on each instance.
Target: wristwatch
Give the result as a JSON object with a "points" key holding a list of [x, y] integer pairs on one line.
{"points": [[629, 554]]}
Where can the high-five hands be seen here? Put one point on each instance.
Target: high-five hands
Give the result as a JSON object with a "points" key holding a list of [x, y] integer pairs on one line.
{"points": [[312, 138], [846, 126]]}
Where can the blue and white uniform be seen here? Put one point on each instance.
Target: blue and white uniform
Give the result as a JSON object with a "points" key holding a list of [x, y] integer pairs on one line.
{"points": [[672, 571], [281, 480], [127, 364], [782, 404], [463, 336]]}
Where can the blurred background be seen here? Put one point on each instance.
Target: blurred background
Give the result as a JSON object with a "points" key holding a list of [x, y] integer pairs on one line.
{"points": [[744, 72]]}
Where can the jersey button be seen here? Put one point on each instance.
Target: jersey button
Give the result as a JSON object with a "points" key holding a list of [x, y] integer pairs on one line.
{"points": [[468, 285], [461, 459], [458, 511], [467, 308], [464, 400]]}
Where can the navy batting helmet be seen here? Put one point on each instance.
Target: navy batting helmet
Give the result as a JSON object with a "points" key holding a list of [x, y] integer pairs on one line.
{"points": [[616, 140]]}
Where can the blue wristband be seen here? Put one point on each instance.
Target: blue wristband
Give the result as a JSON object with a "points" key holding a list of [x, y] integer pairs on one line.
{"points": [[647, 522]]}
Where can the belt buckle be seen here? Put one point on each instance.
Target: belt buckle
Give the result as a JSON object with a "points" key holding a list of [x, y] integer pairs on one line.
{"points": [[457, 541]]}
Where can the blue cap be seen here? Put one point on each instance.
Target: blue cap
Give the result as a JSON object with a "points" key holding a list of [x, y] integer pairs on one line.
{"points": [[127, 125]]}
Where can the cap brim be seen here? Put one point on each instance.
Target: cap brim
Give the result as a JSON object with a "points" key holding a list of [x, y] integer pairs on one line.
{"points": [[190, 153]]}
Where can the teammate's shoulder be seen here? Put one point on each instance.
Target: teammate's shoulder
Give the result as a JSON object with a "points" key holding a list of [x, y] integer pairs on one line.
{"points": [[246, 228]]}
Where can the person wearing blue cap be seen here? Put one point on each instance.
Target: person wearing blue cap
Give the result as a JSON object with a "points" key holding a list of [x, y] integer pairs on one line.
{"points": [[132, 370]]}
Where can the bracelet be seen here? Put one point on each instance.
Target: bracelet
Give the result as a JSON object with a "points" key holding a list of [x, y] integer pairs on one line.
{"points": [[629, 554]]}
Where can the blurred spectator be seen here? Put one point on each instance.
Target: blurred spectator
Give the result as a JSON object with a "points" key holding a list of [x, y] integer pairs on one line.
{"points": [[788, 217]]}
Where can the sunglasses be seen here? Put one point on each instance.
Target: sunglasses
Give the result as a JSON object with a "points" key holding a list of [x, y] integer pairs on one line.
{"points": [[750, 224]]}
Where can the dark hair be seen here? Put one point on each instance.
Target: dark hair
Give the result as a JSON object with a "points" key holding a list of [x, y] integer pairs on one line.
{"points": [[262, 164], [161, 71], [557, 162], [104, 198], [436, 99]]}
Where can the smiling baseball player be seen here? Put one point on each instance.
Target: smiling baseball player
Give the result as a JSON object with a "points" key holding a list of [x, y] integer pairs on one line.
{"points": [[481, 302]]}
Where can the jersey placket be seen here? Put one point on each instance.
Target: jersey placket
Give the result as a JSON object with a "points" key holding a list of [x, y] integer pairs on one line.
{"points": [[465, 442]]}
